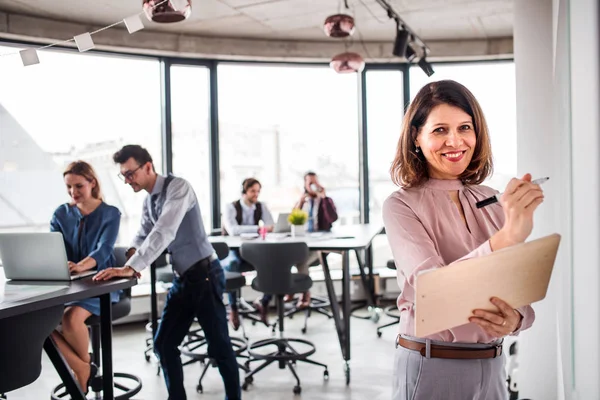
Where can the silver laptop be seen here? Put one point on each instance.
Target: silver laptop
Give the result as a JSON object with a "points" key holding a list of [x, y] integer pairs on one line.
{"points": [[282, 225], [36, 256]]}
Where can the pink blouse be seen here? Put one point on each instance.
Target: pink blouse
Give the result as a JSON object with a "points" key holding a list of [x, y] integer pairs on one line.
{"points": [[425, 231]]}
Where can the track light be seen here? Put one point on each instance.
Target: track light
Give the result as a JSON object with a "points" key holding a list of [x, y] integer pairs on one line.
{"points": [[406, 40], [410, 53], [401, 43], [425, 66]]}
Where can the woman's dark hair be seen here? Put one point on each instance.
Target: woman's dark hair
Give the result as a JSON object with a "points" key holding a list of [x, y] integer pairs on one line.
{"points": [[409, 168]]}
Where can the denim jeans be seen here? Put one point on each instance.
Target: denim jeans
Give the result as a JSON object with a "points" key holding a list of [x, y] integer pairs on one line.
{"points": [[196, 295]]}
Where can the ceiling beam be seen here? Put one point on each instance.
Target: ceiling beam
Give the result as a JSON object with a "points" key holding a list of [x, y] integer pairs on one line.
{"points": [[45, 31]]}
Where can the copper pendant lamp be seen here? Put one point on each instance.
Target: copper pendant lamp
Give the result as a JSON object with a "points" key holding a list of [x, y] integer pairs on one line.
{"points": [[339, 26], [167, 11], [347, 62]]}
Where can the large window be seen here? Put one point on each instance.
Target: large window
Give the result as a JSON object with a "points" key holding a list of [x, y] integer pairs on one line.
{"points": [[190, 97], [385, 109], [72, 107], [493, 84], [277, 122]]}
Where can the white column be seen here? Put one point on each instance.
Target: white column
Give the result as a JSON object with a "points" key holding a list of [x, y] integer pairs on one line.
{"points": [[537, 150], [557, 58], [584, 35]]}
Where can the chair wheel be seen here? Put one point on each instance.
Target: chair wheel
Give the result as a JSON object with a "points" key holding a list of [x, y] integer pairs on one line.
{"points": [[303, 330], [245, 386], [297, 390], [199, 388], [378, 333], [253, 322], [147, 357], [249, 380], [326, 375]]}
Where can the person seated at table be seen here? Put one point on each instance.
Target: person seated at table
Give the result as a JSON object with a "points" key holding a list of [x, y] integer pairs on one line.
{"points": [[89, 227], [321, 216], [243, 216]]}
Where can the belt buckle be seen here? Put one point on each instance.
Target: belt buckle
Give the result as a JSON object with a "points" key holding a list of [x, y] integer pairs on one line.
{"points": [[498, 352]]}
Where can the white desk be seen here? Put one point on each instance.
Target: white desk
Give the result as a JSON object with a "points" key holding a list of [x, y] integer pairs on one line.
{"points": [[341, 240]]}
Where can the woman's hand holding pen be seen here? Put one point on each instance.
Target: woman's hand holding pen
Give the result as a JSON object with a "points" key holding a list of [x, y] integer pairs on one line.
{"points": [[519, 201]]}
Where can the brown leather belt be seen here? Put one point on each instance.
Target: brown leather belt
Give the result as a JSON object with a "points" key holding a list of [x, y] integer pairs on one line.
{"points": [[440, 351]]}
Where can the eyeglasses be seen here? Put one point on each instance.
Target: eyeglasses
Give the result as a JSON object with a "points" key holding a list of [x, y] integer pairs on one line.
{"points": [[128, 175]]}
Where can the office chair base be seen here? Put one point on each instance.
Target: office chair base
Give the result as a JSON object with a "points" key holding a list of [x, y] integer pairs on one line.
{"points": [[191, 348], [286, 356], [125, 391], [317, 304]]}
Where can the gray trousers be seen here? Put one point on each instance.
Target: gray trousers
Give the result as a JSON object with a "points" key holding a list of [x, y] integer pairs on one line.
{"points": [[419, 378]]}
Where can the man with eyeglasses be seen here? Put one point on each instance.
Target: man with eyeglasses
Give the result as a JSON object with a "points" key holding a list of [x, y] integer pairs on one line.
{"points": [[171, 220]]}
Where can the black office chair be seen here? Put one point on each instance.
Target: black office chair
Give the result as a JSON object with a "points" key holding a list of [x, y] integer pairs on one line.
{"points": [[129, 385], [245, 309], [195, 347], [391, 311], [317, 304], [273, 263], [22, 339]]}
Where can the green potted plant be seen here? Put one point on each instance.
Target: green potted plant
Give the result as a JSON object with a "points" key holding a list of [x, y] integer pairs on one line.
{"points": [[297, 219]]}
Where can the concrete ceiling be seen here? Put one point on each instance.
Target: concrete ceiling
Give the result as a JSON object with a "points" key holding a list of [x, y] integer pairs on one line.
{"points": [[271, 29], [294, 19]]}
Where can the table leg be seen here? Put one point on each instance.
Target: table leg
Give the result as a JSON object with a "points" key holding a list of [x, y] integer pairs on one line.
{"points": [[341, 317], [369, 284], [367, 281], [346, 307], [63, 370], [106, 337], [335, 307], [153, 300]]}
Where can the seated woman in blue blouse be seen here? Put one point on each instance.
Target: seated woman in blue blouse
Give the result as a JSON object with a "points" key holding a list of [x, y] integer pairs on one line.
{"points": [[89, 227]]}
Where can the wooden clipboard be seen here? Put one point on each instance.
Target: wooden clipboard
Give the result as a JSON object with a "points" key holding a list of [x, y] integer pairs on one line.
{"points": [[446, 297]]}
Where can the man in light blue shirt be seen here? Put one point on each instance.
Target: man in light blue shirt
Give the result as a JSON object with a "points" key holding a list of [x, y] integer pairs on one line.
{"points": [[172, 221], [243, 216]]}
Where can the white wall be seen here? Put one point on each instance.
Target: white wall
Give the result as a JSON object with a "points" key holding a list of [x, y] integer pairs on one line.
{"points": [[585, 131], [558, 128], [538, 151], [562, 118]]}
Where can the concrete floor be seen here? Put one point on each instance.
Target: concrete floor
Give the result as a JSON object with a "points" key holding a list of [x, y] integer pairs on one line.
{"points": [[371, 366]]}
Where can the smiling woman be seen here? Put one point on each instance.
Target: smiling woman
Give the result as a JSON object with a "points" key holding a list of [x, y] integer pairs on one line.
{"points": [[446, 129], [443, 156]]}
